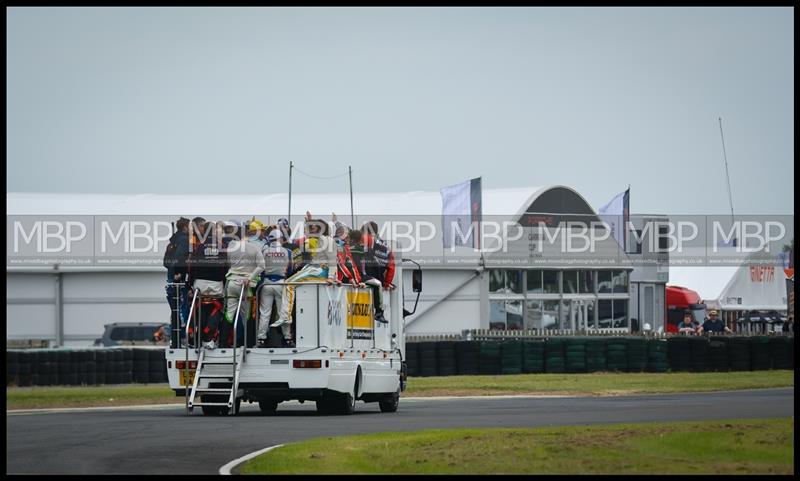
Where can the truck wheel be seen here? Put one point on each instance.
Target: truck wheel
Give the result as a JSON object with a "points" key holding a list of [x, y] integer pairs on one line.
{"points": [[347, 404], [268, 407], [390, 404]]}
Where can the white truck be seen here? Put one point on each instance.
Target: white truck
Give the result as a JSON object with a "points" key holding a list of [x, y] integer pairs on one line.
{"points": [[341, 355]]}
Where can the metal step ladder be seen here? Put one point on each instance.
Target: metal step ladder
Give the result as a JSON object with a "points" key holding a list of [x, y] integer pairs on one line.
{"points": [[234, 362], [231, 379]]}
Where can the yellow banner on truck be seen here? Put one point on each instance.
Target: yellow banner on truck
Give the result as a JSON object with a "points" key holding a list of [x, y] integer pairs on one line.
{"points": [[359, 315]]}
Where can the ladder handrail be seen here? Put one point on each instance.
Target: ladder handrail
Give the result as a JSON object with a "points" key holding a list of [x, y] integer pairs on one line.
{"points": [[234, 387], [186, 349]]}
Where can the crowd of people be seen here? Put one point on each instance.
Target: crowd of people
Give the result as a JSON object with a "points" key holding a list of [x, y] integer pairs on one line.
{"points": [[231, 265]]}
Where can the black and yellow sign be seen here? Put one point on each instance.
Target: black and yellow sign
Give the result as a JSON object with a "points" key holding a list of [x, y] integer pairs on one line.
{"points": [[359, 315]]}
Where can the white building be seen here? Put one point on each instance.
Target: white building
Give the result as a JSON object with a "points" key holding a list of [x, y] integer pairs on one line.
{"points": [[529, 284]]}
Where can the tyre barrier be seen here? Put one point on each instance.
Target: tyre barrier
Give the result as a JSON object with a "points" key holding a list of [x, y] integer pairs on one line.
{"points": [[84, 367], [87, 367], [599, 354]]}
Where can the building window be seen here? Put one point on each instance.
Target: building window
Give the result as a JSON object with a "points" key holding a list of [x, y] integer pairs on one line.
{"points": [[534, 281], [586, 282], [533, 315], [505, 281], [604, 315], [620, 313], [550, 282], [604, 281], [620, 282], [505, 315], [570, 282], [550, 315]]}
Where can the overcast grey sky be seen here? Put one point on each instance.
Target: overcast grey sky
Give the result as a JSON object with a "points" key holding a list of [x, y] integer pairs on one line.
{"points": [[219, 100]]}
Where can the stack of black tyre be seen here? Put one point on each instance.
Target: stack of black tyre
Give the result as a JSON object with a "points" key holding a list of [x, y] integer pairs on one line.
{"points": [[678, 351], [739, 353], [412, 359], [699, 354], [575, 354], [657, 357], [12, 368], [467, 353], [24, 369], [158, 366], [718, 352], [555, 355], [489, 357], [637, 354], [780, 352], [446, 358], [511, 357], [759, 353], [533, 356], [617, 354], [427, 358], [595, 354]]}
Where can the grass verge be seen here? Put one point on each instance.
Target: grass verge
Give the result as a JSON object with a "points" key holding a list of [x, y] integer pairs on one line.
{"points": [[596, 384], [762, 446]]}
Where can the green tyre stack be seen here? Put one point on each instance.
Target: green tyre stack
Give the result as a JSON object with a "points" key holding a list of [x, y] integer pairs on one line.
{"points": [[575, 354], [511, 357], [718, 351], [617, 354], [446, 358], [427, 359], [467, 353], [657, 357], [533, 356], [489, 357], [554, 355], [699, 354], [595, 354], [678, 353], [780, 352], [739, 353], [759, 353], [637, 354], [412, 358]]}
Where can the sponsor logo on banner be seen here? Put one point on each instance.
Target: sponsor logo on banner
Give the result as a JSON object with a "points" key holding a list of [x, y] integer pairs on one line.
{"points": [[359, 315]]}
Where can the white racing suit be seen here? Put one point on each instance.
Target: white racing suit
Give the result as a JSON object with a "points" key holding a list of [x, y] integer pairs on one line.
{"points": [[277, 260], [246, 266]]}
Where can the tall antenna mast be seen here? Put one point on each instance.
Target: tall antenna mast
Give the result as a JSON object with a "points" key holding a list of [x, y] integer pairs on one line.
{"points": [[289, 218], [352, 215], [727, 175]]}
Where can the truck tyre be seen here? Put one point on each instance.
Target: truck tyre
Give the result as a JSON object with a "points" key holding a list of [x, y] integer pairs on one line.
{"points": [[268, 406], [347, 404], [326, 405], [391, 403]]}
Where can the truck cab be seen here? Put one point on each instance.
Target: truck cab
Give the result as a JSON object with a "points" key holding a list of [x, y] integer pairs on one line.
{"points": [[679, 300]]}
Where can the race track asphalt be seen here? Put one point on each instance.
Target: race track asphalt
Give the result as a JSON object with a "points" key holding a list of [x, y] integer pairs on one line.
{"points": [[165, 440]]}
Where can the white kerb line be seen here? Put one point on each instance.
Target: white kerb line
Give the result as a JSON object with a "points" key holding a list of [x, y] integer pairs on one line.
{"points": [[226, 469]]}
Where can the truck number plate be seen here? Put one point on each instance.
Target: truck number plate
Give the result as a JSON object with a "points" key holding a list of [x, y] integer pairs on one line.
{"points": [[187, 377]]}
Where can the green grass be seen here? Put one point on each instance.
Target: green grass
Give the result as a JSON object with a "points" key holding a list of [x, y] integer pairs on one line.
{"points": [[763, 446], [90, 396], [597, 384]]}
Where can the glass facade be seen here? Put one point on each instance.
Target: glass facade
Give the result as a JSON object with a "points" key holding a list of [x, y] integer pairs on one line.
{"points": [[558, 299]]}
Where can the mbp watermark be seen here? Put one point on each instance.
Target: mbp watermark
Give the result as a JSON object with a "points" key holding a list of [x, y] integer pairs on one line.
{"points": [[530, 239]]}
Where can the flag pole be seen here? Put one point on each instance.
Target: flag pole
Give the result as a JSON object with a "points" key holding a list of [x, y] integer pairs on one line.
{"points": [[727, 175], [352, 214], [289, 218]]}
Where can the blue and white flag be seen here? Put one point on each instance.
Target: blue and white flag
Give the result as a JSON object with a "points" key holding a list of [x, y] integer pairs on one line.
{"points": [[461, 214], [616, 214]]}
